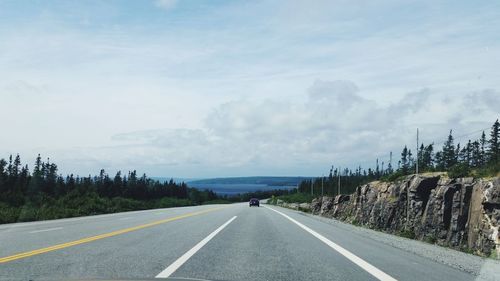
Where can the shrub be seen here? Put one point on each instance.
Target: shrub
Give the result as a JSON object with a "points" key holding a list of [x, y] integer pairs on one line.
{"points": [[216, 201], [430, 239], [392, 177], [407, 234], [459, 170], [295, 198]]}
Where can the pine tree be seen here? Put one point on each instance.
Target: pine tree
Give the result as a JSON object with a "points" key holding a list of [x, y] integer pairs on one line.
{"points": [[439, 159], [467, 154], [494, 144], [405, 160], [36, 181], [3, 176], [476, 155], [17, 165], [482, 154], [427, 155], [448, 153]]}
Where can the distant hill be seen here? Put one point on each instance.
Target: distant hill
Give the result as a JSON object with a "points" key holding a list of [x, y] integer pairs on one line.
{"points": [[177, 180], [270, 181]]}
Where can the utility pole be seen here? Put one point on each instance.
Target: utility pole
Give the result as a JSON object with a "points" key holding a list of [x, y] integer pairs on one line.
{"points": [[322, 179], [416, 168]]}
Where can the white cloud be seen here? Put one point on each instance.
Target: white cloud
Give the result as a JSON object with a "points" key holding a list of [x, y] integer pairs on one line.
{"points": [[333, 124], [166, 5]]}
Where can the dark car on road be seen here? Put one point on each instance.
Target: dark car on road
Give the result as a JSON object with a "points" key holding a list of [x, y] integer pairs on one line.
{"points": [[254, 202]]}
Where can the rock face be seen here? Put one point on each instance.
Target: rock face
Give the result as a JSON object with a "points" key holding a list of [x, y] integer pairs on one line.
{"points": [[462, 213]]}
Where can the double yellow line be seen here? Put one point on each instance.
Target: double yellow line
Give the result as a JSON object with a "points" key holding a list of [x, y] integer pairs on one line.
{"points": [[98, 237]]}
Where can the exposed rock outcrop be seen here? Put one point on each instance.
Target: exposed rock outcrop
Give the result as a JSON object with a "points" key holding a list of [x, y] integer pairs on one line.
{"points": [[462, 213]]}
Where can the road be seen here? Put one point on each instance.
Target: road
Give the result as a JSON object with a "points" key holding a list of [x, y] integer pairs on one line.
{"points": [[214, 242]]}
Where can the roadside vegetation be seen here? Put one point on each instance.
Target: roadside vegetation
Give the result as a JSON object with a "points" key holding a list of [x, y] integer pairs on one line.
{"points": [[292, 198], [245, 197], [44, 194]]}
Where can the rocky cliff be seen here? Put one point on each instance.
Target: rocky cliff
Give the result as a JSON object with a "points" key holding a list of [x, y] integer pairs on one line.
{"points": [[462, 213]]}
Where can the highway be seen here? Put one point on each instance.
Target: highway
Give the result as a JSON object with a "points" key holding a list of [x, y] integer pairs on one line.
{"points": [[213, 242]]}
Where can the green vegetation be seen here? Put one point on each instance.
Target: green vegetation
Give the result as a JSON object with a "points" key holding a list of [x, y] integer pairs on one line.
{"points": [[493, 254], [430, 239], [43, 194], [245, 197], [292, 198], [478, 158], [407, 234]]}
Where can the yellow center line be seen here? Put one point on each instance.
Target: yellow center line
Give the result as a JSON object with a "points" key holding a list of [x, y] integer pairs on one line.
{"points": [[98, 237]]}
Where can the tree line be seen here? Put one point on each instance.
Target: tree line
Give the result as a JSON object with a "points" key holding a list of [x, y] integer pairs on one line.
{"points": [[45, 194], [480, 157]]}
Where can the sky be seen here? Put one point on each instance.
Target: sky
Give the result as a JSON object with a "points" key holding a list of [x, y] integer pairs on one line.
{"points": [[200, 89]]}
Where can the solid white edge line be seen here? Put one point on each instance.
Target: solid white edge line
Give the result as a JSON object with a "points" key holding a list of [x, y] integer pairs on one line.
{"points": [[44, 230], [184, 258], [377, 273]]}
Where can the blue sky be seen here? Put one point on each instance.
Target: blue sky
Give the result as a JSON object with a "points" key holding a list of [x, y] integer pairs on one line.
{"points": [[234, 88]]}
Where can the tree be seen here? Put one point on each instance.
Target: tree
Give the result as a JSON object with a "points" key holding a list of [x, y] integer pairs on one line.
{"points": [[494, 144], [482, 155], [426, 158], [17, 164], [448, 153], [36, 181], [405, 160], [476, 155], [465, 155], [3, 176], [439, 160]]}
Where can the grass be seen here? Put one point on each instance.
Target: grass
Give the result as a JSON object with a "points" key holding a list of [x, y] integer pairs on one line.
{"points": [[494, 255]]}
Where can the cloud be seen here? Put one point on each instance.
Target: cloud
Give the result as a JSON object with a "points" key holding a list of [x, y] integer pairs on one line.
{"points": [[485, 99], [220, 88], [340, 91], [333, 123], [166, 5]]}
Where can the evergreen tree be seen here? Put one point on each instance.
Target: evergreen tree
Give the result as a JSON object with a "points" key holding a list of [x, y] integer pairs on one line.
{"points": [[494, 144], [482, 155], [476, 155], [465, 155], [427, 157], [405, 160], [439, 160], [448, 153], [36, 181], [3, 177]]}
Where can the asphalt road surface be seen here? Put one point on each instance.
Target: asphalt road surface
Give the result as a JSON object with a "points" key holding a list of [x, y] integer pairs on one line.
{"points": [[215, 242]]}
